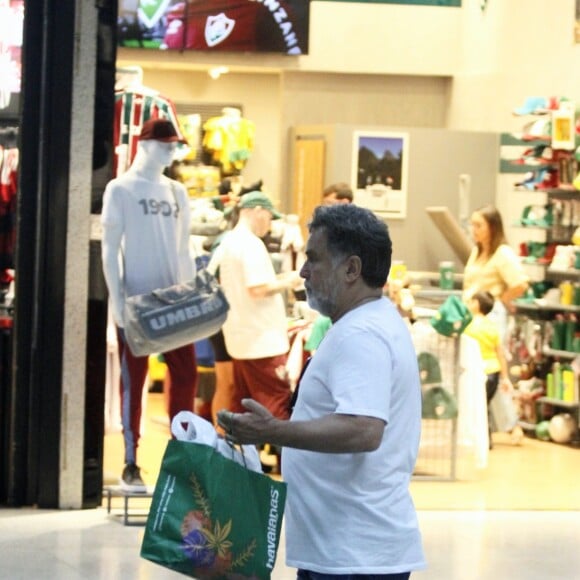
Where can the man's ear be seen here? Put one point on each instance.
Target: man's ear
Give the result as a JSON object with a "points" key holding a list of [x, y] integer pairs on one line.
{"points": [[353, 268]]}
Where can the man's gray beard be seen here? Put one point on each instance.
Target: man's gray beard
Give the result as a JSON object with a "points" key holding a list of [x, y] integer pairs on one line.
{"points": [[324, 307]]}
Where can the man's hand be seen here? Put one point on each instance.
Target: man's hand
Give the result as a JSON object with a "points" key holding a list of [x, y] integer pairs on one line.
{"points": [[333, 433], [247, 428]]}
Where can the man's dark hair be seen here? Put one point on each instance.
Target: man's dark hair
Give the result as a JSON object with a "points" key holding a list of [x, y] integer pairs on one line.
{"points": [[485, 301], [355, 231], [342, 190]]}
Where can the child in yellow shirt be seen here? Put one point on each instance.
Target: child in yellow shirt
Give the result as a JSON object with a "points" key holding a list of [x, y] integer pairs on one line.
{"points": [[486, 332]]}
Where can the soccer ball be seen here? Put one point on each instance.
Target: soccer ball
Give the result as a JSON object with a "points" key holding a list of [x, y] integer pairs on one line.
{"points": [[562, 428]]}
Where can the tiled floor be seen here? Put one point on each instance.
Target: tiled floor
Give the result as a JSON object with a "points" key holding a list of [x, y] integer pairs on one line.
{"points": [[518, 520], [475, 545]]}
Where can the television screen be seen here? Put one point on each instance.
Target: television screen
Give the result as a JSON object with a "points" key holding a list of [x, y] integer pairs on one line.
{"points": [[11, 29], [278, 26]]}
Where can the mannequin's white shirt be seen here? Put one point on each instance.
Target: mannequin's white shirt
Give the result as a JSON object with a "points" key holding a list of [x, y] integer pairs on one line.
{"points": [[145, 219]]}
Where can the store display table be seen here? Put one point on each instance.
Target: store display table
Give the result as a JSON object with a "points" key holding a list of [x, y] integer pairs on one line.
{"points": [[135, 516]]}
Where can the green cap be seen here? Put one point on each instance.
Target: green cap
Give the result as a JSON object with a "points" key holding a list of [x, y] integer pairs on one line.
{"points": [[429, 369], [258, 199], [439, 404]]}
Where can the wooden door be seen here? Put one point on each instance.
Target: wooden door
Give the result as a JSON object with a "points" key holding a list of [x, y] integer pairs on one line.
{"points": [[308, 181]]}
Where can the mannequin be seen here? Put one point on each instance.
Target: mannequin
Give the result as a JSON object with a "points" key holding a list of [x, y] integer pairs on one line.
{"points": [[145, 246], [232, 113]]}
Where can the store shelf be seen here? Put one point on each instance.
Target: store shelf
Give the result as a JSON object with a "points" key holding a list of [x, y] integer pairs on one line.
{"points": [[545, 307], [568, 273], [558, 402], [507, 166], [515, 139], [563, 193], [553, 272], [560, 353], [531, 226], [539, 314], [557, 234], [436, 293]]}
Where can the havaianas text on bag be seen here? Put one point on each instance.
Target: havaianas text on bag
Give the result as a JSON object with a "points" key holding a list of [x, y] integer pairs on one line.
{"points": [[272, 527], [177, 315]]}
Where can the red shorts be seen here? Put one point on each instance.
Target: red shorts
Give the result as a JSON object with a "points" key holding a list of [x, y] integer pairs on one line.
{"points": [[264, 380]]}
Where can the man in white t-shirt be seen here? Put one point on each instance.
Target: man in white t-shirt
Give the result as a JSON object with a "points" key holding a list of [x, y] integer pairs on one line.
{"points": [[350, 447], [256, 329], [145, 246]]}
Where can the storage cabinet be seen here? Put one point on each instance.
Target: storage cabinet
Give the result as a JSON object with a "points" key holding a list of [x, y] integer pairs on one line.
{"points": [[557, 370]]}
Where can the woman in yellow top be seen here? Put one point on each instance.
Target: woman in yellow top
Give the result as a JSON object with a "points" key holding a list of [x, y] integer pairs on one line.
{"points": [[493, 266]]}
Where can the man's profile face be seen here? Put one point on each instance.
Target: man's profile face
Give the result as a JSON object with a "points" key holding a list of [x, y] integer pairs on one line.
{"points": [[262, 221], [321, 274]]}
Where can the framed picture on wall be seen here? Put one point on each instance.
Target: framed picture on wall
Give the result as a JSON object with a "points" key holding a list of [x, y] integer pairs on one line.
{"points": [[379, 172]]}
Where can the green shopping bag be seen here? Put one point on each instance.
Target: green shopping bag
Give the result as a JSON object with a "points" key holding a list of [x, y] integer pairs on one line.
{"points": [[211, 517]]}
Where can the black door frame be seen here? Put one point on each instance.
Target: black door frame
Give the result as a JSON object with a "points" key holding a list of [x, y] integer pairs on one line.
{"points": [[32, 466]]}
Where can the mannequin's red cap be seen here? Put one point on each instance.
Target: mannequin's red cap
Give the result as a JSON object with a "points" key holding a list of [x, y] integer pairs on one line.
{"points": [[159, 130]]}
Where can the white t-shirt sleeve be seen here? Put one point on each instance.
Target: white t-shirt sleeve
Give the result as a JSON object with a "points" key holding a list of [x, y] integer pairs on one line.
{"points": [[361, 376], [257, 265]]}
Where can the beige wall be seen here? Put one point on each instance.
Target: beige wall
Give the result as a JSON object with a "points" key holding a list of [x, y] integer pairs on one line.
{"points": [[275, 102], [512, 50], [260, 96], [383, 39], [354, 38], [431, 67], [364, 100], [515, 49], [366, 66]]}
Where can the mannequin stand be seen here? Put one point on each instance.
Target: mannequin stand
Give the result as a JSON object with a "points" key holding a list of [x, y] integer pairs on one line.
{"points": [[127, 515]]}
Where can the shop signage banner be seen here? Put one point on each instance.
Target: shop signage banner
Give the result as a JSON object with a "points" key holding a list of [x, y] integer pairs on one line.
{"points": [[409, 2], [279, 26]]}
